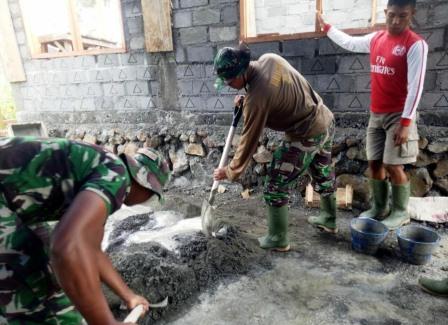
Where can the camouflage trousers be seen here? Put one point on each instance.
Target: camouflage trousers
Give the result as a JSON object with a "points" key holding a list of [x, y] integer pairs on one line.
{"points": [[29, 294], [294, 159]]}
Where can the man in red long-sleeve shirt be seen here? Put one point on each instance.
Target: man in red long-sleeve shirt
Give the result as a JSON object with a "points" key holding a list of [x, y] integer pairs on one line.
{"points": [[397, 64]]}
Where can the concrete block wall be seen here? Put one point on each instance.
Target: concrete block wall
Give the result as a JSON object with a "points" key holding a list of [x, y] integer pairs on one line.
{"points": [[90, 91], [137, 90]]}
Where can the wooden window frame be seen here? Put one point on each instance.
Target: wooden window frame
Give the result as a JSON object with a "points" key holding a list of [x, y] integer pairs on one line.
{"points": [[246, 16], [35, 46]]}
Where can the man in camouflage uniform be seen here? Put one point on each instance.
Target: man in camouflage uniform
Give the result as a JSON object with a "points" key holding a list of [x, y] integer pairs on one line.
{"points": [[78, 185], [280, 98]]}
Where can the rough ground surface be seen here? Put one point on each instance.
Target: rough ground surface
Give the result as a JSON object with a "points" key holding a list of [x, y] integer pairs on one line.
{"points": [[321, 281]]}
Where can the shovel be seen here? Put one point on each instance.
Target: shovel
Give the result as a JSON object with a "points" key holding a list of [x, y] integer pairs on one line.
{"points": [[138, 311], [207, 205]]}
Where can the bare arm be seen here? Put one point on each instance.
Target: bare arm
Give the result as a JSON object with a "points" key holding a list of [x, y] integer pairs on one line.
{"points": [[75, 248], [113, 280]]}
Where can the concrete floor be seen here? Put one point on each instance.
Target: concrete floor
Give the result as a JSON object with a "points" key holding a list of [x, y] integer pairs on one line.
{"points": [[321, 281]]}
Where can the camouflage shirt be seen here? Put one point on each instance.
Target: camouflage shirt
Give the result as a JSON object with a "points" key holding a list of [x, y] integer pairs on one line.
{"points": [[41, 177]]}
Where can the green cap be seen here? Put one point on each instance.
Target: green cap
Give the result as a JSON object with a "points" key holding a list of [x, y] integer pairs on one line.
{"points": [[230, 63], [148, 168]]}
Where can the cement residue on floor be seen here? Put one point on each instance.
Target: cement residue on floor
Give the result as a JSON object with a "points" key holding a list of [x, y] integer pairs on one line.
{"points": [[231, 281], [159, 255], [296, 291]]}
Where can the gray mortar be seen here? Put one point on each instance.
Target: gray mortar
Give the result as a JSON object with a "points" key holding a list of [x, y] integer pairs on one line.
{"points": [[321, 281], [198, 265]]}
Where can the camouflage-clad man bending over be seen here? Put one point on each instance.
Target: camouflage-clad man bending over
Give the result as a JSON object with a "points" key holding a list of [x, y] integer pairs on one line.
{"points": [[280, 98], [78, 185]]}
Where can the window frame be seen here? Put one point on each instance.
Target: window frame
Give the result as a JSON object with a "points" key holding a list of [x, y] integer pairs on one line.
{"points": [[245, 27], [35, 46]]}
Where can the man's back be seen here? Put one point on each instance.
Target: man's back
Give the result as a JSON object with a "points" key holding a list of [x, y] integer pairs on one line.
{"points": [[285, 96], [41, 177]]}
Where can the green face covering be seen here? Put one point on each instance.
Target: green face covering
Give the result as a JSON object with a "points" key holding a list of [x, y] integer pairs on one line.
{"points": [[219, 83]]}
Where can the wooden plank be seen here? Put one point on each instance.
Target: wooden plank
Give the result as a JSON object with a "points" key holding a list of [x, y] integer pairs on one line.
{"points": [[243, 21], [373, 19], [309, 195], [9, 50], [349, 194], [120, 21], [157, 25], [86, 40], [33, 43], [59, 46], [74, 26], [249, 18], [297, 36], [344, 197], [77, 53], [320, 10]]}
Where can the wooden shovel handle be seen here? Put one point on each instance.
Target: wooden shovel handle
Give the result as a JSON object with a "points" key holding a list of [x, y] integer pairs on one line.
{"points": [[134, 315]]}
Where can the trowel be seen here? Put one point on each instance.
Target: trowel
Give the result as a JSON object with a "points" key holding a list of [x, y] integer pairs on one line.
{"points": [[207, 217], [135, 314]]}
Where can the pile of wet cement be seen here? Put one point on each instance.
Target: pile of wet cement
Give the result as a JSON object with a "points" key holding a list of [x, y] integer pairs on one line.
{"points": [[198, 264]]}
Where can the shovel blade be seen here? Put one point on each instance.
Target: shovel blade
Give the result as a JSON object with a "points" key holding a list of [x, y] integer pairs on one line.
{"points": [[207, 218], [161, 304]]}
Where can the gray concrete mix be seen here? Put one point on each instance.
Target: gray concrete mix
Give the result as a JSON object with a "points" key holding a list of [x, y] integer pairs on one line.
{"points": [[321, 281]]}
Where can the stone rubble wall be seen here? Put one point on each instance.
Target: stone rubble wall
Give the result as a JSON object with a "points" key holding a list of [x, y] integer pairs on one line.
{"points": [[193, 154]]}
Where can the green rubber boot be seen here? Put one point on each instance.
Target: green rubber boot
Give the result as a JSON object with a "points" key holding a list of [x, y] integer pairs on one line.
{"points": [[379, 190], [326, 220], [399, 214], [435, 287], [277, 237]]}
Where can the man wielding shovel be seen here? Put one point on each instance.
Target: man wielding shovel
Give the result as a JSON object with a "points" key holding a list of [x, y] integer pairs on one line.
{"points": [[79, 185], [280, 98]]}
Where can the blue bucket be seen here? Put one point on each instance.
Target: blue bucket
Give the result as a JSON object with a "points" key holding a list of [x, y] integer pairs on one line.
{"points": [[367, 235], [417, 243]]}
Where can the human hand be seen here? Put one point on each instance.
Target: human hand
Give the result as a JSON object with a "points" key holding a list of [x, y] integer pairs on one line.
{"points": [[219, 174], [320, 20], [401, 135], [237, 100], [134, 300]]}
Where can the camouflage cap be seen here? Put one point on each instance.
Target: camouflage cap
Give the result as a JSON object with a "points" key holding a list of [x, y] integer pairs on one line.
{"points": [[149, 169], [230, 62]]}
